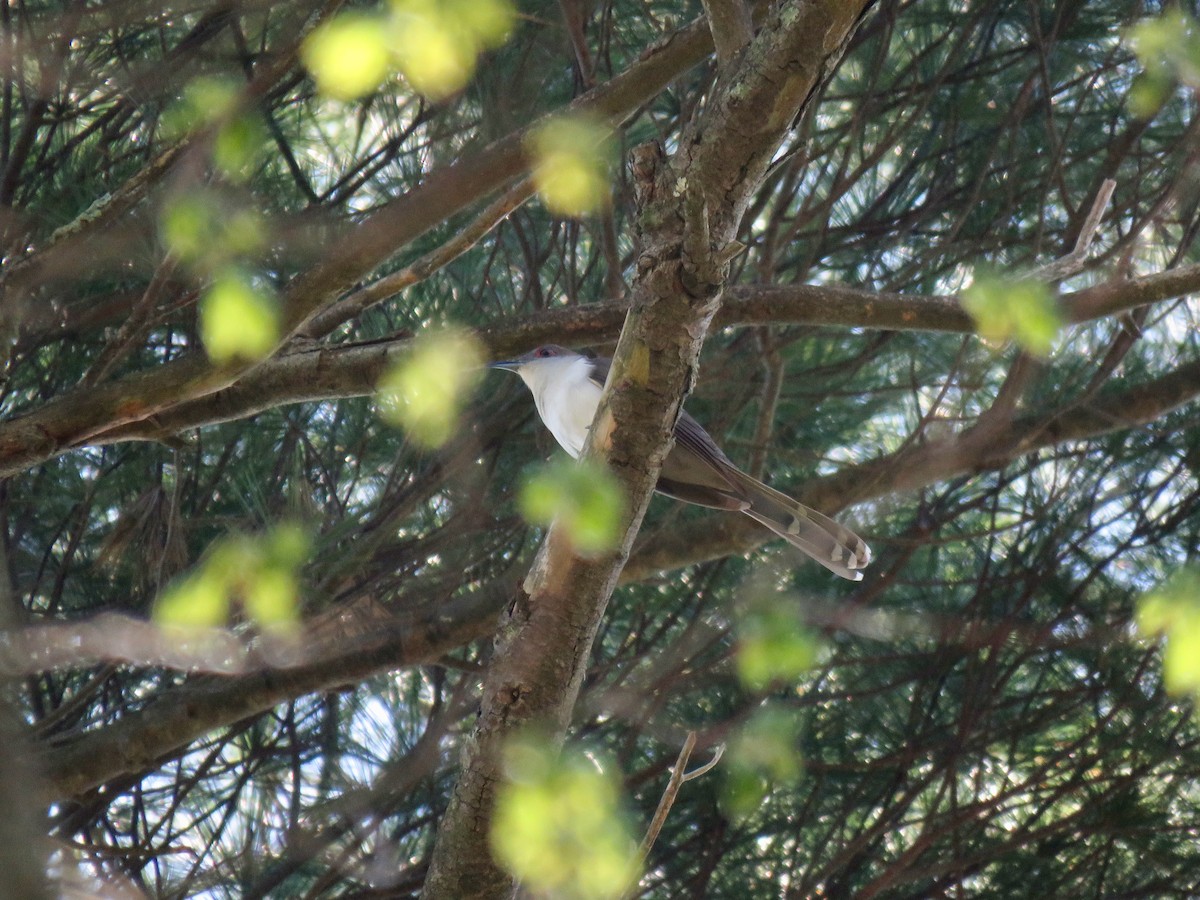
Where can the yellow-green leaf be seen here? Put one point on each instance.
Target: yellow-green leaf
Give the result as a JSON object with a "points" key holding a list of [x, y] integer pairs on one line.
{"points": [[260, 571], [434, 54], [238, 145], [1174, 610], [199, 600], [582, 496], [765, 753], [348, 56], [426, 390], [570, 158], [205, 100], [490, 22], [203, 231], [559, 825], [237, 319], [1024, 311], [270, 597], [773, 644]]}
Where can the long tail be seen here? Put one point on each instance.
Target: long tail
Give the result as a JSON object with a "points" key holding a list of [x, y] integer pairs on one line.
{"points": [[832, 545]]}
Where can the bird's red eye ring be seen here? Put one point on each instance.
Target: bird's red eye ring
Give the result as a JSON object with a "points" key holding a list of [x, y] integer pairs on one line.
{"points": [[544, 353]]}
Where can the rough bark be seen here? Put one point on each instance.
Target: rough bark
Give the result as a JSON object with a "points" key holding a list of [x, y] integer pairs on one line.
{"points": [[690, 209]]}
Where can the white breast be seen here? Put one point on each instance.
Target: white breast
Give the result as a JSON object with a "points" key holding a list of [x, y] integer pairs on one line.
{"points": [[566, 398]]}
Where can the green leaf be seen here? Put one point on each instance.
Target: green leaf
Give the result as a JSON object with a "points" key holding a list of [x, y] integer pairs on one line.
{"points": [[425, 392], [773, 643], [582, 496], [1168, 46], [237, 319], [490, 22], [260, 571], [205, 232], [238, 146], [205, 100], [1174, 610], [762, 756], [570, 158], [559, 824], [200, 600], [1024, 311], [348, 56]]}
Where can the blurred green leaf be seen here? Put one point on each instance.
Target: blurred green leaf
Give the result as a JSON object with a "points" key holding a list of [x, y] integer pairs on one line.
{"points": [[773, 643], [207, 233], [424, 392], [348, 56], [559, 825], [239, 138], [238, 145], [1147, 94], [583, 496], [762, 756], [205, 100], [259, 571], [1024, 311], [570, 158], [198, 600], [433, 54], [1168, 46], [238, 320], [1173, 610], [490, 22], [436, 42]]}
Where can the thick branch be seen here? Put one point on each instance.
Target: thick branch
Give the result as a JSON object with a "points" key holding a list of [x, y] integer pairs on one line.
{"points": [[731, 26], [144, 739], [717, 536], [335, 372], [546, 640]]}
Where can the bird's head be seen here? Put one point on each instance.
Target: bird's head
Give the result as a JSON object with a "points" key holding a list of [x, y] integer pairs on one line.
{"points": [[540, 364]]}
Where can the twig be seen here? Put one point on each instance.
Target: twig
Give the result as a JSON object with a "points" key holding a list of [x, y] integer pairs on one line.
{"points": [[668, 798], [390, 285], [708, 766], [1072, 263], [678, 777]]}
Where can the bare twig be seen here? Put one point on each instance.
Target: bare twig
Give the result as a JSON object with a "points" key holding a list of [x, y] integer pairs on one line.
{"points": [[1072, 263], [707, 767], [390, 285]]}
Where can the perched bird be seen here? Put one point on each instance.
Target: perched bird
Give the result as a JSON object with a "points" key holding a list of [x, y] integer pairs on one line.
{"points": [[566, 387]]}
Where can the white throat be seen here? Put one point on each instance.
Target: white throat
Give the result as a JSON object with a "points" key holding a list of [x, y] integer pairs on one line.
{"points": [[566, 397]]}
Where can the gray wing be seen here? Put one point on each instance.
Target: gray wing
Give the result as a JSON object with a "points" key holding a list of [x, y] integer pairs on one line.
{"points": [[696, 471]]}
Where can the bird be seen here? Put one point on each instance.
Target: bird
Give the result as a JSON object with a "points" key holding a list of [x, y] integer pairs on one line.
{"points": [[566, 388]]}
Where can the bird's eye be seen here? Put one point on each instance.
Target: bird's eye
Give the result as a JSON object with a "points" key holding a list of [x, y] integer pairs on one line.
{"points": [[544, 353]]}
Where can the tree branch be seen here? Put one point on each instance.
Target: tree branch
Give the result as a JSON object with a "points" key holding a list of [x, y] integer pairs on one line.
{"points": [[920, 465], [144, 739], [546, 639], [731, 26], [74, 419], [327, 373]]}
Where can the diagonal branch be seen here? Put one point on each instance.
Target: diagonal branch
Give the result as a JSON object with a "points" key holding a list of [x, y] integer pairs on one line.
{"points": [[918, 466], [547, 635]]}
